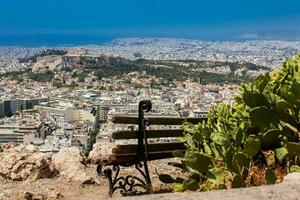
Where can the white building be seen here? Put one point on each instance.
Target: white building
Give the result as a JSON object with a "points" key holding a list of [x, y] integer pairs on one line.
{"points": [[60, 115]]}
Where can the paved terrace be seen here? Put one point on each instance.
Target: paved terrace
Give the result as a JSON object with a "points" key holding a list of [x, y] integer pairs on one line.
{"points": [[288, 189]]}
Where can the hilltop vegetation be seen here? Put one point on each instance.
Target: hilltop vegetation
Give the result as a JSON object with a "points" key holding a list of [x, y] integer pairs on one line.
{"points": [[41, 77], [198, 71]]}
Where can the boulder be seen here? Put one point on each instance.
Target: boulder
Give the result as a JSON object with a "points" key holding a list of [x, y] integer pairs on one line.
{"points": [[95, 154], [7, 146], [20, 164], [27, 148], [34, 196], [71, 166], [292, 178], [98, 150]]}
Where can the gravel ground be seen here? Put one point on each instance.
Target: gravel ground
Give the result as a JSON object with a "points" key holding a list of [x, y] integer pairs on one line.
{"points": [[58, 188]]}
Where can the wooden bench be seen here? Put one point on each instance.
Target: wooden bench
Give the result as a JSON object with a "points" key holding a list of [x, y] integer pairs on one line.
{"points": [[140, 153]]}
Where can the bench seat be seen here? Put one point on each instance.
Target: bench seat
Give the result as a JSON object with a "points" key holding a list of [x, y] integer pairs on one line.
{"points": [[124, 159], [126, 153]]}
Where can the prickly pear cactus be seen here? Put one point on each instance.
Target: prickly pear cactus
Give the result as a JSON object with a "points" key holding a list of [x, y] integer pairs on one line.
{"points": [[264, 119]]}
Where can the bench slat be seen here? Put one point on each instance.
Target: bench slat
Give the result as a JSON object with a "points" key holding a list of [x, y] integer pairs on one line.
{"points": [[159, 147], [126, 158], [118, 135], [121, 119]]}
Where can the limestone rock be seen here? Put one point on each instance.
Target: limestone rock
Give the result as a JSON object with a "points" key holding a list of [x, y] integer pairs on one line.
{"points": [[31, 148], [240, 72], [34, 196], [7, 146], [39, 196], [57, 195], [27, 148], [28, 195], [292, 178], [71, 165], [51, 63], [95, 154], [98, 150], [20, 164]]}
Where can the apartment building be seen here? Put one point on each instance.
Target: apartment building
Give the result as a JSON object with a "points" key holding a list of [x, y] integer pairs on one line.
{"points": [[9, 107], [2, 109], [60, 115]]}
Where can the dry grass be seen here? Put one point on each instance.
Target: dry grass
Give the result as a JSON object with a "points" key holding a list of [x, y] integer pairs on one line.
{"points": [[256, 175]]}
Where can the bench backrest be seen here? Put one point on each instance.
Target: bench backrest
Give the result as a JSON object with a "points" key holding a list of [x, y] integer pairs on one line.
{"points": [[142, 149], [159, 133]]}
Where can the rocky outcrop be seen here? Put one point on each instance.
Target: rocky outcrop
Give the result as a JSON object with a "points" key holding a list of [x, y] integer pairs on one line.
{"points": [[71, 166], [95, 154], [240, 72], [24, 163], [58, 62], [52, 63], [98, 150]]}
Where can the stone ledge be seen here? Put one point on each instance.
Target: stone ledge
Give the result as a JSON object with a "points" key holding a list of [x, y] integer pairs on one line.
{"points": [[289, 189]]}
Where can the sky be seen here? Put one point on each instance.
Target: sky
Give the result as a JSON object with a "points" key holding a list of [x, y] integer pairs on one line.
{"points": [[177, 18]]}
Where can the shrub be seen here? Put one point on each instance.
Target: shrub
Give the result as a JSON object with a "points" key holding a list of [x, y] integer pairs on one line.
{"points": [[253, 142]]}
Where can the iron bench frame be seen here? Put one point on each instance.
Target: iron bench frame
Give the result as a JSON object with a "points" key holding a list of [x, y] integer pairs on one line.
{"points": [[127, 156], [128, 184]]}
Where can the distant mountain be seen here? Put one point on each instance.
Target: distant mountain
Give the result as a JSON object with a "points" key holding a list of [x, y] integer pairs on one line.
{"points": [[279, 34]]}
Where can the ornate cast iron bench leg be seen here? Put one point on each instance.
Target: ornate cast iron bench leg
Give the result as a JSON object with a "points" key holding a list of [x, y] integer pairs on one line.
{"points": [[128, 184]]}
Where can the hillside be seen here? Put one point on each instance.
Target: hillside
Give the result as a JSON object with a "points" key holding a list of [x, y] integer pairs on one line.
{"points": [[103, 66]]}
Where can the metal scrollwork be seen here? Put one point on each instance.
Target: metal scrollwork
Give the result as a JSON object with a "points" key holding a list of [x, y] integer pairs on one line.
{"points": [[145, 105], [128, 185]]}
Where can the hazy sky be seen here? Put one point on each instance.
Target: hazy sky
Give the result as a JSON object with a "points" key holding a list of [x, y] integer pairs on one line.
{"points": [[146, 16]]}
